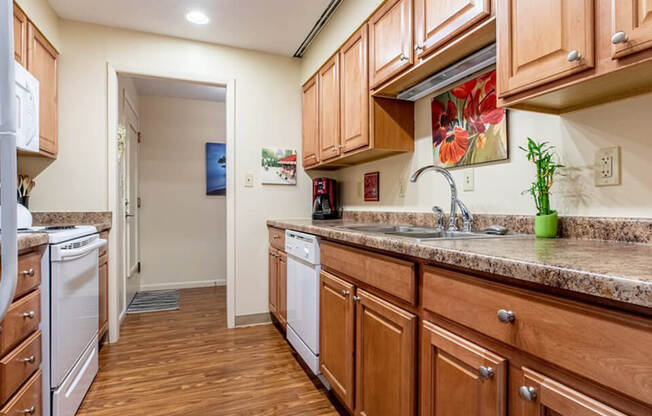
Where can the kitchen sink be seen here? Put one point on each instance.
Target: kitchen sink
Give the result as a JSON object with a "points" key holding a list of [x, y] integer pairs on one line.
{"points": [[419, 233]]}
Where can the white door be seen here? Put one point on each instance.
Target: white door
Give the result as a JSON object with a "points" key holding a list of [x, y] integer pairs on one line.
{"points": [[130, 198]]}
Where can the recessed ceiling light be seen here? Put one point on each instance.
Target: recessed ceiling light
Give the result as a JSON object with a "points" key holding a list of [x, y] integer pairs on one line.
{"points": [[197, 17]]}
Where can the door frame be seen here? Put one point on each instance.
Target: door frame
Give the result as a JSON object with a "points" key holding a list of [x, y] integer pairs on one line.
{"points": [[116, 316]]}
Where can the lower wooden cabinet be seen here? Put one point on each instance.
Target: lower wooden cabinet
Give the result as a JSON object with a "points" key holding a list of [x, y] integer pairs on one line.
{"points": [[104, 287], [459, 377], [277, 285], [272, 274]]}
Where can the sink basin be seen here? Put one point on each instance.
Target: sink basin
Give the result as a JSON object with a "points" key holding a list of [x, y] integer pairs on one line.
{"points": [[418, 233]]}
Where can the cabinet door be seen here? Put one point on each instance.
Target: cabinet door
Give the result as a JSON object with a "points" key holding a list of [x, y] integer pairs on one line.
{"points": [[438, 21], [539, 395], [281, 295], [459, 377], [104, 297], [385, 358], [634, 18], [310, 123], [542, 40], [337, 336], [20, 36], [390, 41], [272, 281], [328, 83], [355, 91], [42, 63]]}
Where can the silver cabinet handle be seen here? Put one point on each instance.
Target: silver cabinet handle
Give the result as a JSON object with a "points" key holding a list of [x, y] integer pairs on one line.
{"points": [[29, 360], [486, 372], [619, 37], [30, 315], [345, 293], [130, 215], [506, 316], [527, 393], [29, 272], [404, 57], [356, 298], [419, 48], [29, 411], [573, 56]]}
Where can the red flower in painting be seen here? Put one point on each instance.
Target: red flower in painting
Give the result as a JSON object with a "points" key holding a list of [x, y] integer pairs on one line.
{"points": [[442, 120], [462, 91], [480, 112], [454, 146]]}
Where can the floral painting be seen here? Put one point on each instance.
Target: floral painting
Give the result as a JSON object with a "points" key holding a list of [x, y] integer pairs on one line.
{"points": [[467, 128]]}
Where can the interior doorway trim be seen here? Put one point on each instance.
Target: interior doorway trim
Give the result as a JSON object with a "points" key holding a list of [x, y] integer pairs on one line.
{"points": [[113, 69]]}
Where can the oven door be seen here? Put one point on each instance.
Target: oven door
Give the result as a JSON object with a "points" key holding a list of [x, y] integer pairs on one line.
{"points": [[74, 302]]}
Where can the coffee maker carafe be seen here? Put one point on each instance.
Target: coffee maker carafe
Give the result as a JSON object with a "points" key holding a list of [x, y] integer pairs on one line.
{"points": [[324, 204]]}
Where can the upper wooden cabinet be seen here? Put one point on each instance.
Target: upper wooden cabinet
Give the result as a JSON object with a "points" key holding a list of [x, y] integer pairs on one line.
{"points": [[634, 19], [354, 92], [390, 40], [310, 123], [20, 36], [328, 83], [459, 377], [438, 21], [530, 53]]}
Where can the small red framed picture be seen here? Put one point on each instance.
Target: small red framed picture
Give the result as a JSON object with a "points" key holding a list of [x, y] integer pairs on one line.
{"points": [[372, 186]]}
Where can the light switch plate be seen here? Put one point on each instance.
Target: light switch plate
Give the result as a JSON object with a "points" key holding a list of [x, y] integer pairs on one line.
{"points": [[402, 184], [607, 166], [249, 180], [469, 180]]}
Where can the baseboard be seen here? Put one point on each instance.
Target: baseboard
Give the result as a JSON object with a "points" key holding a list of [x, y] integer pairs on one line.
{"points": [[183, 285], [253, 319]]}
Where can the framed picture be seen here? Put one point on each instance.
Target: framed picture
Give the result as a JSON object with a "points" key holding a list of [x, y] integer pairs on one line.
{"points": [[215, 168], [372, 186], [278, 167], [467, 128]]}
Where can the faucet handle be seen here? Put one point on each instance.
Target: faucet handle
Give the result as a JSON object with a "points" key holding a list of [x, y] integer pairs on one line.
{"points": [[440, 216], [466, 215]]}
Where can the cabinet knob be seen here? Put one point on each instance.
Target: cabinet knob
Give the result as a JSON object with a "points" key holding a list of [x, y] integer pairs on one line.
{"points": [[30, 315], [619, 37], [419, 48], [28, 360], [486, 372], [404, 57], [506, 316], [356, 298], [29, 411], [29, 272], [573, 56], [345, 293], [527, 393]]}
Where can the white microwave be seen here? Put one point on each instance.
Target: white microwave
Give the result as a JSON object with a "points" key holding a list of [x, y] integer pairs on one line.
{"points": [[27, 105]]}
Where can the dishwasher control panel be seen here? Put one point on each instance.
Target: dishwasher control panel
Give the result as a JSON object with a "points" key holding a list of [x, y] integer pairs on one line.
{"points": [[302, 246]]}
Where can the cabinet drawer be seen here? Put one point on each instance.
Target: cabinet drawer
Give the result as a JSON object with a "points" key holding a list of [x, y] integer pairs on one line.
{"points": [[277, 238], [18, 365], [28, 397], [29, 273], [393, 276], [608, 347], [22, 319]]}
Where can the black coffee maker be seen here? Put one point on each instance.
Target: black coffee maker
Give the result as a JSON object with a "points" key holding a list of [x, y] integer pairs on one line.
{"points": [[324, 204]]}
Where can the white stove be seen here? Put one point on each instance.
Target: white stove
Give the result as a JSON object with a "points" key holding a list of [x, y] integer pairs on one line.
{"points": [[60, 233]]}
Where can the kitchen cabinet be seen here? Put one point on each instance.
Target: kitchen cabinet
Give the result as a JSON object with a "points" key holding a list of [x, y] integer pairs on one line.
{"points": [[354, 91], [631, 27], [277, 277], [42, 62], [436, 22], [281, 303], [20, 36], [390, 41], [460, 377], [273, 281], [337, 336], [531, 53], [103, 275], [310, 123], [328, 84]]}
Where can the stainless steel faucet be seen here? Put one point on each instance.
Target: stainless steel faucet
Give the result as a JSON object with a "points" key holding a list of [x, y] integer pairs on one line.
{"points": [[452, 223]]}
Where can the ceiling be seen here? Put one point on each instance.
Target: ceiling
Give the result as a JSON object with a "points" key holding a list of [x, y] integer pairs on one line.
{"points": [[178, 89], [275, 26]]}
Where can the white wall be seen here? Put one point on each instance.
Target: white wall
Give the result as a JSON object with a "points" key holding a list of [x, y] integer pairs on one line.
{"points": [[182, 230]]}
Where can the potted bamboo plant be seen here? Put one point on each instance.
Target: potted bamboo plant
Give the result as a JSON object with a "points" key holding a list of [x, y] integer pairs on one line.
{"points": [[541, 154]]}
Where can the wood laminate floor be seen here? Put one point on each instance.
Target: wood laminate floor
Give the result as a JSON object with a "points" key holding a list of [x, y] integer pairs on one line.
{"points": [[187, 362]]}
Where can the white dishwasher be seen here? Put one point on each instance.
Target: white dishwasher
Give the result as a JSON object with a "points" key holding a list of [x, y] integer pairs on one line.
{"points": [[303, 295]]}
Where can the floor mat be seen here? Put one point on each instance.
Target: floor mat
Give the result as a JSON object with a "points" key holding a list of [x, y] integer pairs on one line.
{"points": [[154, 301]]}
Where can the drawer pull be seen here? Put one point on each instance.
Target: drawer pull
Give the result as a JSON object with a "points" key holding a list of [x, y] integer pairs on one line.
{"points": [[30, 315], [345, 293], [573, 56], [619, 37], [527, 393], [29, 272], [356, 298], [29, 411], [486, 372], [506, 316], [276, 237], [403, 57], [28, 360]]}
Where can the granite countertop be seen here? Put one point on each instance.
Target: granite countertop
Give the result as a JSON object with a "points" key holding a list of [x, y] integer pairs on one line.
{"points": [[613, 270], [30, 240]]}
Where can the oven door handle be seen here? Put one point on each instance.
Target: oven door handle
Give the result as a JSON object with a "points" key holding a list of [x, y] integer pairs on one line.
{"points": [[75, 253]]}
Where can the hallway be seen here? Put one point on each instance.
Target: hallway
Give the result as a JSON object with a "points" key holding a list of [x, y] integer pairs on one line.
{"points": [[187, 362]]}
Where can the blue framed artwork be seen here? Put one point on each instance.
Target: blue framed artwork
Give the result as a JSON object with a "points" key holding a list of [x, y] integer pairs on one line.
{"points": [[215, 168]]}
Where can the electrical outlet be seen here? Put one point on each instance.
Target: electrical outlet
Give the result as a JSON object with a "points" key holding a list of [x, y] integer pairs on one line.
{"points": [[402, 185], [607, 166], [469, 180], [249, 180]]}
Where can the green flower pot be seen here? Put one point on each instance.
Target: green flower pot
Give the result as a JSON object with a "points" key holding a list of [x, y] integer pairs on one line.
{"points": [[545, 226]]}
